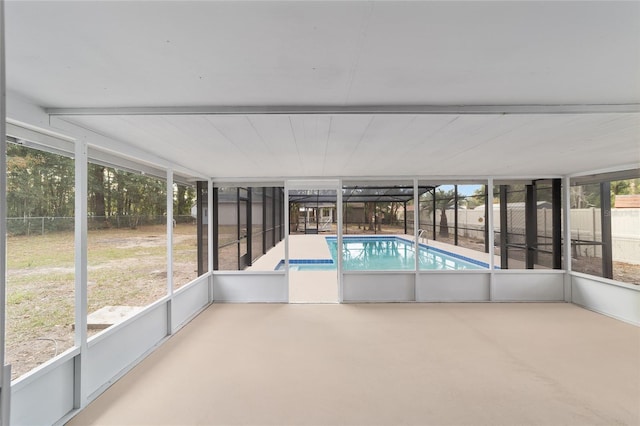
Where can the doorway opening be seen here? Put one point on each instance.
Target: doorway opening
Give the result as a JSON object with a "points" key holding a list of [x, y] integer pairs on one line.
{"points": [[313, 269]]}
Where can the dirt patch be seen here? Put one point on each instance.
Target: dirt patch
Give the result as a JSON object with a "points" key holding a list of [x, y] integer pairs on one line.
{"points": [[126, 267]]}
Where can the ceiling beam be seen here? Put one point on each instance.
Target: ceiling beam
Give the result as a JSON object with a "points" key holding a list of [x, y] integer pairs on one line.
{"points": [[353, 109], [121, 149]]}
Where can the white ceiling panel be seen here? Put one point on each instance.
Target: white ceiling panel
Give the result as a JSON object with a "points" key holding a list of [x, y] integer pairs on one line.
{"points": [[309, 54], [260, 146]]}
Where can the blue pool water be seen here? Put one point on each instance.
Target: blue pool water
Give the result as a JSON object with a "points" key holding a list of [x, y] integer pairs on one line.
{"points": [[384, 254]]}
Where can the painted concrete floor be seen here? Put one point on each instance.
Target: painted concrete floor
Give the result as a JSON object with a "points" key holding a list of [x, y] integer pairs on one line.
{"points": [[384, 364]]}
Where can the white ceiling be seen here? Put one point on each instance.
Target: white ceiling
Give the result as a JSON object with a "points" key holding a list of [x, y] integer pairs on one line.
{"points": [[177, 55]]}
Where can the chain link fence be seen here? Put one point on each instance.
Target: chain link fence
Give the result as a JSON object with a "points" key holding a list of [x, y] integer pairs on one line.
{"points": [[44, 225]]}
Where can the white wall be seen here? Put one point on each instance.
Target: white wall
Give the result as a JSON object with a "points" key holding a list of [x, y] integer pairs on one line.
{"points": [[608, 297], [378, 286], [250, 287]]}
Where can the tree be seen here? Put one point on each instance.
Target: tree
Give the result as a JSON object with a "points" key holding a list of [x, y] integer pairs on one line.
{"points": [[294, 217], [443, 201], [369, 212], [184, 198], [38, 183], [96, 186]]}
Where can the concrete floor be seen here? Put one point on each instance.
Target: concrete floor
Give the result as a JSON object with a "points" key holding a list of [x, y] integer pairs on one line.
{"points": [[384, 364]]}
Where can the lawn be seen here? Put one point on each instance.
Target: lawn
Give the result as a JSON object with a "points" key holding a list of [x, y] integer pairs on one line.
{"points": [[125, 267]]}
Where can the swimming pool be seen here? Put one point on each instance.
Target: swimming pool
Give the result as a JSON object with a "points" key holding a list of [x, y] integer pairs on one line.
{"points": [[388, 253]]}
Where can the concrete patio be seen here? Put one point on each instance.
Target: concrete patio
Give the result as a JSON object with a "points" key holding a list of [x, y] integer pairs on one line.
{"points": [[384, 364]]}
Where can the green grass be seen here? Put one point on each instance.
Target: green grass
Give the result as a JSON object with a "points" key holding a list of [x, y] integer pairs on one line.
{"points": [[32, 252], [18, 297], [125, 267]]}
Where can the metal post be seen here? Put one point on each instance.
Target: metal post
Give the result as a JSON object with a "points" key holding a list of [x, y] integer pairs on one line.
{"points": [[210, 230], [170, 232], [405, 218], [556, 222], [210, 227], [216, 234], [238, 233], [287, 225], [567, 239], [455, 215], [488, 203], [530, 214], [264, 220], [81, 273], [169, 201], [5, 371], [491, 238], [200, 185], [434, 213], [339, 206], [273, 216], [605, 217], [249, 227], [504, 238], [416, 225]]}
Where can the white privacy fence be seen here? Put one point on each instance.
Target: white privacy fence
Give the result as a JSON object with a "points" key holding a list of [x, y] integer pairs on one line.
{"points": [[625, 231], [585, 226]]}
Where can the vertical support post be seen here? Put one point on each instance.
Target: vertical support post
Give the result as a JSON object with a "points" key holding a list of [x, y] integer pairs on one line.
{"points": [[339, 240], [504, 232], [214, 225], [556, 222], [405, 217], [170, 251], [488, 204], [5, 371], [170, 232], [238, 233], [416, 226], [81, 273], [210, 230], [455, 215], [605, 217], [489, 224], [434, 213], [567, 239], [264, 220], [249, 227], [286, 224], [274, 200], [530, 219], [200, 221]]}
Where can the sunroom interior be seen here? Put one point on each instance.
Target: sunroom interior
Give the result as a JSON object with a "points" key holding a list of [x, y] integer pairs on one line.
{"points": [[160, 158]]}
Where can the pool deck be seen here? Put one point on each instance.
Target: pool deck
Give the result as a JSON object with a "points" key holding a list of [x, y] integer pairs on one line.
{"points": [[315, 247], [304, 286], [322, 286]]}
